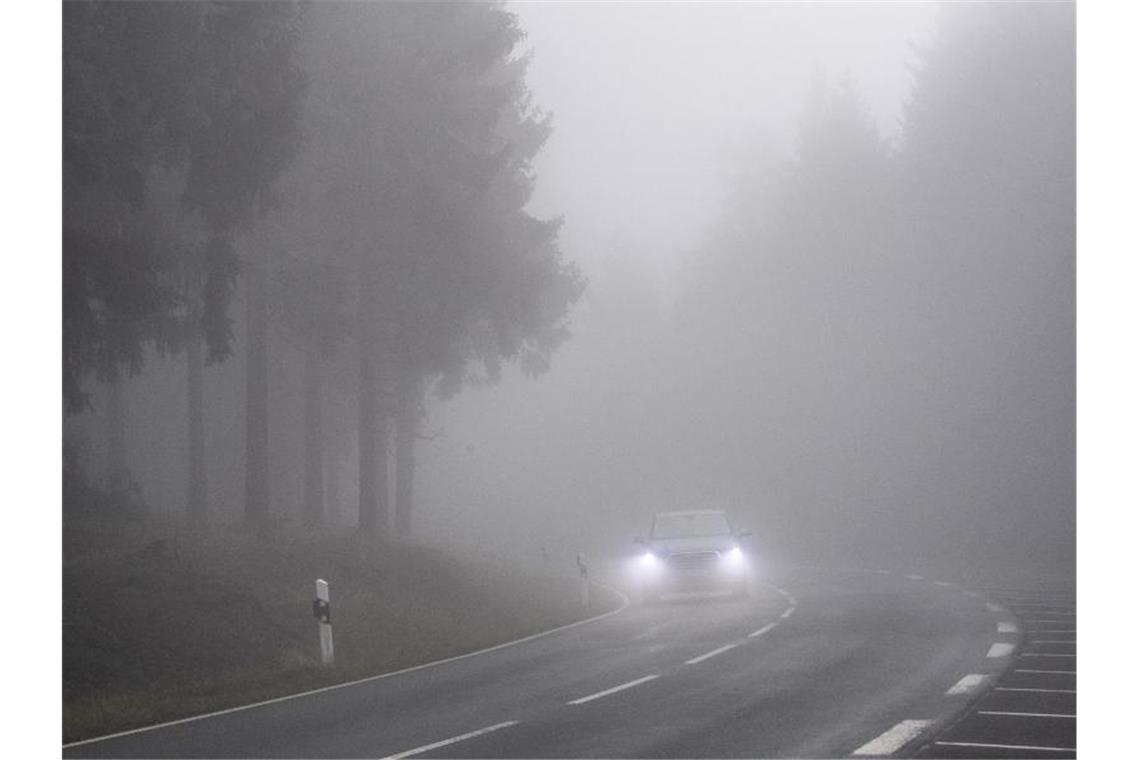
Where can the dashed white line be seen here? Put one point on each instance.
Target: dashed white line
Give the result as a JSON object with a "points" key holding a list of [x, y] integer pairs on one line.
{"points": [[913, 578], [1042, 691], [966, 684], [1007, 627], [452, 740], [1025, 714], [787, 613], [972, 594], [1000, 649], [607, 692], [713, 653], [1027, 747], [763, 630], [894, 738], [943, 584]]}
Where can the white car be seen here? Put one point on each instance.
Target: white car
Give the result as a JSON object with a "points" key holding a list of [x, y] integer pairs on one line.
{"points": [[694, 550]]}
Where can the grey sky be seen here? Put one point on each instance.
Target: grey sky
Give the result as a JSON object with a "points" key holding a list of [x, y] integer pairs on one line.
{"points": [[649, 98]]}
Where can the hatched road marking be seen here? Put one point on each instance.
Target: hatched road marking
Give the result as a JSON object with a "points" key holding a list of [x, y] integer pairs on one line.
{"points": [[1027, 747]]}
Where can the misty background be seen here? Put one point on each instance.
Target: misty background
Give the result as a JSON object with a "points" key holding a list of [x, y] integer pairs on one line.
{"points": [[816, 263]]}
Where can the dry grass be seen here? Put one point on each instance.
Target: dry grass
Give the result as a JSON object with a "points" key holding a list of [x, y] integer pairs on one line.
{"points": [[159, 626]]}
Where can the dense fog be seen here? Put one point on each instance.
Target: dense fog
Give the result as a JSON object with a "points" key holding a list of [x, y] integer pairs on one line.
{"points": [[809, 263]]}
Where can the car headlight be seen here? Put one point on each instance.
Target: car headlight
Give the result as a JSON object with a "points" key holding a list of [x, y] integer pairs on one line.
{"points": [[734, 556], [648, 561]]}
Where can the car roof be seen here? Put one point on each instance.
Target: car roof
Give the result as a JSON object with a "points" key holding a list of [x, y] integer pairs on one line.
{"points": [[690, 512]]}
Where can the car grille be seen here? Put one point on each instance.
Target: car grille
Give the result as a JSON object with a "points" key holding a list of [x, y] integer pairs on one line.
{"points": [[694, 562]]}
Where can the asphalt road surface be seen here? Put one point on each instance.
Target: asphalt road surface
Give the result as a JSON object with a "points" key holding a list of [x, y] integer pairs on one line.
{"points": [[818, 663]]}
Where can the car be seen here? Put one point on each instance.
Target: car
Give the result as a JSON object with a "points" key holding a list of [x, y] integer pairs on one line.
{"points": [[692, 550]]}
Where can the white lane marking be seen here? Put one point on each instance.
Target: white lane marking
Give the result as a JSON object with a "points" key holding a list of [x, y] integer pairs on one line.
{"points": [[1000, 649], [1058, 672], [966, 684], [763, 630], [944, 584], [366, 679], [1043, 691], [1025, 714], [994, 607], [973, 594], [713, 653], [883, 572], [913, 578], [614, 690], [1052, 641], [787, 613], [1045, 654], [1006, 746], [452, 740], [1007, 627], [891, 740]]}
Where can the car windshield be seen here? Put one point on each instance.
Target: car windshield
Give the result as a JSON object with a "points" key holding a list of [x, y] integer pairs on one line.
{"points": [[695, 525]]}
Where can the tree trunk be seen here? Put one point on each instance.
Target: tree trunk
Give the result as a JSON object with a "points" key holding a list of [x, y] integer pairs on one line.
{"points": [[314, 440], [117, 477], [407, 418], [256, 399], [367, 521], [196, 473]]}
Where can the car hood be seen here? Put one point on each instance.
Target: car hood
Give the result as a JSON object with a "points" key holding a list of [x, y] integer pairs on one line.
{"points": [[703, 544]]}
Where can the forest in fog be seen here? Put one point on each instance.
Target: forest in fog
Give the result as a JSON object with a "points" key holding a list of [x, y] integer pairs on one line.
{"points": [[305, 287]]}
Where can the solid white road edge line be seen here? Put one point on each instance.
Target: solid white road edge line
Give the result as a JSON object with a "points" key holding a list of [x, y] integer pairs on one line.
{"points": [[967, 684], [1000, 649], [713, 653], [607, 692], [452, 740], [346, 684], [1006, 746], [1025, 714], [891, 740]]}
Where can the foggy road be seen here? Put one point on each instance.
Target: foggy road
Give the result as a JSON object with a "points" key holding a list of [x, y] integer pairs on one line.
{"points": [[819, 663]]}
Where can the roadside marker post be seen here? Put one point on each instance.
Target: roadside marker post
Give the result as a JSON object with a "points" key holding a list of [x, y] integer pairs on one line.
{"points": [[323, 613], [584, 574]]}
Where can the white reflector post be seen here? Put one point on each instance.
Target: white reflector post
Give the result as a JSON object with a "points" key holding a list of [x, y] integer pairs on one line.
{"points": [[324, 622]]}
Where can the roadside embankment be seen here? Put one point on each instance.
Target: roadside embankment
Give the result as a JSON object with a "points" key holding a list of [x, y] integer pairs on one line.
{"points": [[158, 625]]}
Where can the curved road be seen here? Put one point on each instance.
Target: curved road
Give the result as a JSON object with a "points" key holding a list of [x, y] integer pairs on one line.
{"points": [[817, 664]]}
